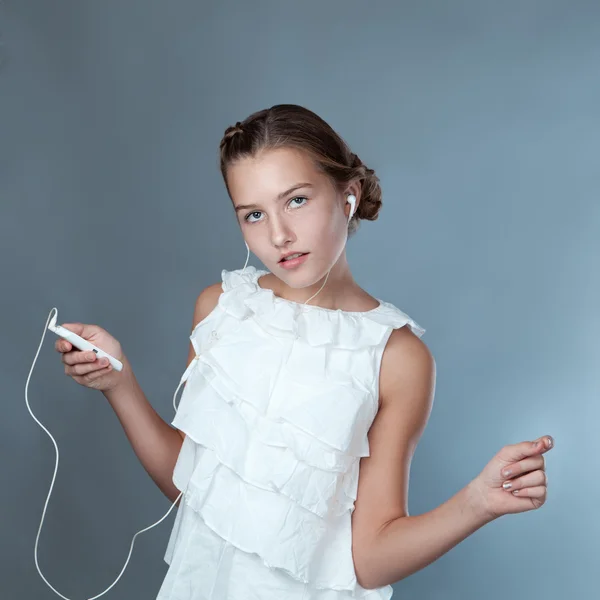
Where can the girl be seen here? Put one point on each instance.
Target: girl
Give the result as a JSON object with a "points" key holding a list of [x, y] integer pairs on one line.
{"points": [[304, 398]]}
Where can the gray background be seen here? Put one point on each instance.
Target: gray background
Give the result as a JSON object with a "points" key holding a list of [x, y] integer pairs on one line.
{"points": [[482, 121]]}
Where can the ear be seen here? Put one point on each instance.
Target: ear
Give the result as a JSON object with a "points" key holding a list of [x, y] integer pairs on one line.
{"points": [[353, 187]]}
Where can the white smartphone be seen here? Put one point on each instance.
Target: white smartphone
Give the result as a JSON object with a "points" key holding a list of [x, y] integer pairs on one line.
{"points": [[82, 344]]}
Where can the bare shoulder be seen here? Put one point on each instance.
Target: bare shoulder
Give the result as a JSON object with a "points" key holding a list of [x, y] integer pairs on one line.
{"points": [[206, 302], [406, 361], [406, 391]]}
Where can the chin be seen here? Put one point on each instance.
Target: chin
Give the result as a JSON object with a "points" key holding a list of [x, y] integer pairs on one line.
{"points": [[301, 277]]}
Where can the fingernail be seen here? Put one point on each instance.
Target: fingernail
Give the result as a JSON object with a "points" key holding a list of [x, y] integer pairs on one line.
{"points": [[549, 442], [91, 356], [506, 472]]}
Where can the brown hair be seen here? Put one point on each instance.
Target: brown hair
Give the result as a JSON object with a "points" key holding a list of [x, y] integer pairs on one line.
{"points": [[293, 126]]}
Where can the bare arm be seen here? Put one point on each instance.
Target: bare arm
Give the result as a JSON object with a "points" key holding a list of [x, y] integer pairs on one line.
{"points": [[388, 544], [408, 544], [155, 442]]}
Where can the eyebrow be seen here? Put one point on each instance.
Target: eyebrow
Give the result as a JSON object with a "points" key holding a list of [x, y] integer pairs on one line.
{"points": [[279, 196]]}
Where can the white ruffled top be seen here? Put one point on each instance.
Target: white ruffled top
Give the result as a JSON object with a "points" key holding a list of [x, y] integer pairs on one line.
{"points": [[276, 409]]}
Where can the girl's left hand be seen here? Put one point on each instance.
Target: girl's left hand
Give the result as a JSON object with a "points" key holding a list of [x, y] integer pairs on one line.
{"points": [[520, 467]]}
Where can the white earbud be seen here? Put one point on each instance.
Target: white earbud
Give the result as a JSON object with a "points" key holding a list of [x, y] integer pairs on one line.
{"points": [[352, 201]]}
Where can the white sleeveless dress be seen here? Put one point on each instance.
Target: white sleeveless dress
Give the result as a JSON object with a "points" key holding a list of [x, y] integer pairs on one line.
{"points": [[276, 409]]}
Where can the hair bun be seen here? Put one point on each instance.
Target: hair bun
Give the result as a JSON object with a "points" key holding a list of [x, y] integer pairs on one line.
{"points": [[370, 199]]}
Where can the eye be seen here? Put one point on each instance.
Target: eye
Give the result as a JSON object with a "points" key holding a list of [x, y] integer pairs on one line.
{"points": [[247, 217], [299, 198]]}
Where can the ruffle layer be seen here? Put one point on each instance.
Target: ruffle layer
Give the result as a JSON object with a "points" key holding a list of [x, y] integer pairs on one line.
{"points": [[215, 568], [244, 298], [242, 470], [328, 411], [282, 534], [261, 452]]}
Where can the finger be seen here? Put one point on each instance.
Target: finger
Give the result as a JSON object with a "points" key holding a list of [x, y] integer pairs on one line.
{"points": [[522, 450], [85, 368], [89, 378], [77, 357], [545, 443], [524, 466], [61, 346], [538, 491], [92, 376], [532, 479]]}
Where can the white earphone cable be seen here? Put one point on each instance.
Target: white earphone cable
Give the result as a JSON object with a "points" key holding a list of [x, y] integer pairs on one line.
{"points": [[52, 485]]}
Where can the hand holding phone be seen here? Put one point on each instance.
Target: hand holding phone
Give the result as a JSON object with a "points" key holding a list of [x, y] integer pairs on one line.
{"points": [[96, 346]]}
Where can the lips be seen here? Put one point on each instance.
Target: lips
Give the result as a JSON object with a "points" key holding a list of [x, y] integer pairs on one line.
{"points": [[295, 254]]}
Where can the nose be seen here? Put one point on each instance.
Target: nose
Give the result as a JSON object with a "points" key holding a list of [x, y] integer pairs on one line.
{"points": [[281, 232]]}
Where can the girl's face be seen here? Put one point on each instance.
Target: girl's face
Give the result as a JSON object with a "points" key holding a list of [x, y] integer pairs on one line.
{"points": [[285, 204]]}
